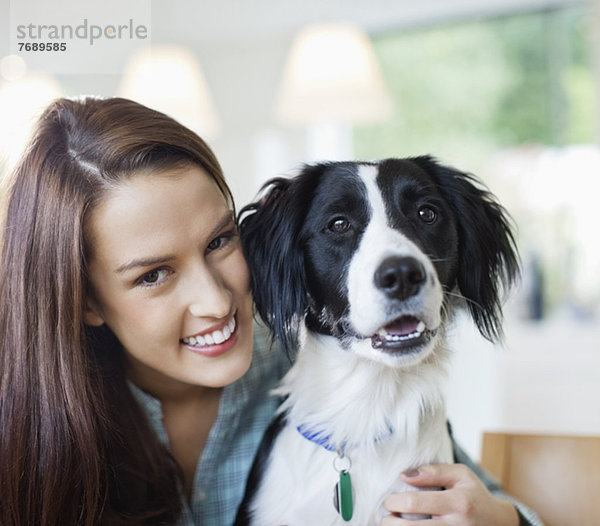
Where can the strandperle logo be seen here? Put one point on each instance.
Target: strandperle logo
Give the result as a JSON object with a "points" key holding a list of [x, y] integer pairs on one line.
{"points": [[78, 37], [83, 31]]}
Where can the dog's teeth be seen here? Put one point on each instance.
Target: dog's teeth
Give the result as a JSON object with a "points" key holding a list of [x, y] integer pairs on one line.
{"points": [[391, 337]]}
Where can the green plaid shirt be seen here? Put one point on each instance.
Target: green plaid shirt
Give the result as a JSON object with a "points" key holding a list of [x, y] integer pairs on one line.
{"points": [[245, 411]]}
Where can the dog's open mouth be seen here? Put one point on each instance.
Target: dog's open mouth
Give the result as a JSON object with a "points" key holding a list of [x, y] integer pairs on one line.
{"points": [[403, 335]]}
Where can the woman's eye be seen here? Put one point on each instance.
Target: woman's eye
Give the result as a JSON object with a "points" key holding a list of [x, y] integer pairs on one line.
{"points": [[428, 215], [154, 277], [215, 243], [221, 240], [339, 225]]}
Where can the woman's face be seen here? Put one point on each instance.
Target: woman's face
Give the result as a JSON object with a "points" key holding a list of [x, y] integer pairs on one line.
{"points": [[170, 280]]}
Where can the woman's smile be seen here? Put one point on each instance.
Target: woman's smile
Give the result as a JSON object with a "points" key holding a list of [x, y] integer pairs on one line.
{"points": [[213, 342]]}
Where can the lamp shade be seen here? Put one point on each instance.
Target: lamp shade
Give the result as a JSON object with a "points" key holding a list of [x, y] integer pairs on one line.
{"points": [[332, 75], [169, 79]]}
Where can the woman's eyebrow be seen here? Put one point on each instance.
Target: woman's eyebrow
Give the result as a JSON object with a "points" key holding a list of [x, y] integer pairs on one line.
{"points": [[225, 220], [161, 260], [144, 262]]}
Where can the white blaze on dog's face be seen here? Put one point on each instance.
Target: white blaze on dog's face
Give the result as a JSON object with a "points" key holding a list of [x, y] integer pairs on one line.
{"points": [[394, 294], [380, 249]]}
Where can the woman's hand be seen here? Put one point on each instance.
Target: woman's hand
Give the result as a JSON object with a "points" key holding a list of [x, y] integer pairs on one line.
{"points": [[464, 502]]}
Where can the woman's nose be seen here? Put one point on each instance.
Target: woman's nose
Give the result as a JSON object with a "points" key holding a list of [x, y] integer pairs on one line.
{"points": [[210, 297]]}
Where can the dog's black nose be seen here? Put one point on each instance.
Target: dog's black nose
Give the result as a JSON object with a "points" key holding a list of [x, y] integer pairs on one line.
{"points": [[400, 277]]}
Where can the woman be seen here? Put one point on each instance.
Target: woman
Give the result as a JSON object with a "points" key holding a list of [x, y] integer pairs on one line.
{"points": [[126, 333], [102, 315]]}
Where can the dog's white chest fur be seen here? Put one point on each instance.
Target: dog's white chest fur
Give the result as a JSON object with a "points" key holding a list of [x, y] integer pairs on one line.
{"points": [[385, 432], [299, 487]]}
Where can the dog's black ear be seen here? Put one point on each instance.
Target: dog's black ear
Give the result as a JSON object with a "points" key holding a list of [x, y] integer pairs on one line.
{"points": [[488, 256], [269, 230]]}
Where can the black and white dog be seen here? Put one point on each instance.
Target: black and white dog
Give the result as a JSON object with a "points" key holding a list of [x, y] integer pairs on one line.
{"points": [[362, 265]]}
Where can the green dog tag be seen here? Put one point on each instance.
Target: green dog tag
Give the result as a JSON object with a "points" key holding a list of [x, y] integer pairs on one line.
{"points": [[342, 499]]}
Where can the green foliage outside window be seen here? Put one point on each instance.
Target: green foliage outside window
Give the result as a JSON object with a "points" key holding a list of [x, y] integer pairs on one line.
{"points": [[472, 88]]}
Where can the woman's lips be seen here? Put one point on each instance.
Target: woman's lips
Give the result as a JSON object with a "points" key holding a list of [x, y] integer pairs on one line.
{"points": [[215, 342]]}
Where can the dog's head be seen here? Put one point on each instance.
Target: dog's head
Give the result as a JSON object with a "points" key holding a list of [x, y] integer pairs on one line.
{"points": [[375, 254]]}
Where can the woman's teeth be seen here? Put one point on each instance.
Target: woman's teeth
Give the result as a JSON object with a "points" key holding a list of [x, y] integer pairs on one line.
{"points": [[214, 338]]}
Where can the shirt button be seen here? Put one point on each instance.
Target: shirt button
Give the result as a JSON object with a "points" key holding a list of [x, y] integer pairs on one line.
{"points": [[200, 495]]}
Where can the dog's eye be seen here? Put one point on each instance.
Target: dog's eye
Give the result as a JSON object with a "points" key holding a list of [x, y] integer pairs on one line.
{"points": [[428, 215], [339, 225]]}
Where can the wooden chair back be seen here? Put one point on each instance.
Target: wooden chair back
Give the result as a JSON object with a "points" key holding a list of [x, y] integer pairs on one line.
{"points": [[557, 476]]}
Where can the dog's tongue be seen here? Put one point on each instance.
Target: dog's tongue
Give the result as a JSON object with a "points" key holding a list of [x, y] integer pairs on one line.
{"points": [[402, 326]]}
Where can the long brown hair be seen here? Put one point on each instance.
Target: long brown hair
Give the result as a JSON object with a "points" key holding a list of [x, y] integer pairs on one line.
{"points": [[74, 446]]}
